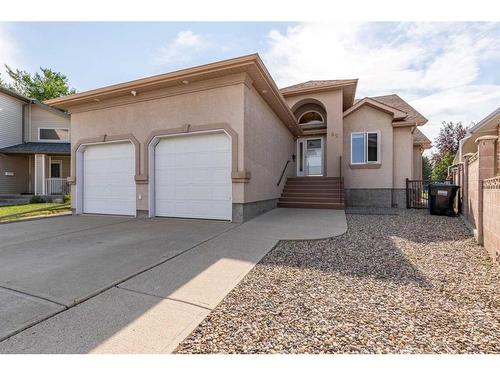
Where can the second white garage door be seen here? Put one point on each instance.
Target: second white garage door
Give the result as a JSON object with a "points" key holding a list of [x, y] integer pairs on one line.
{"points": [[193, 177], [108, 179]]}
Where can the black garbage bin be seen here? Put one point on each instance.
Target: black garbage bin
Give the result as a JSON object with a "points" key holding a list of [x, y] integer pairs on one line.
{"points": [[441, 198]]}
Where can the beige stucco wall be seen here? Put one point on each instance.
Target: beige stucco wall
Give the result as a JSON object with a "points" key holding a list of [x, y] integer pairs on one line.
{"points": [[417, 163], [43, 118], [332, 101], [19, 165], [203, 103], [403, 157], [369, 119], [268, 145]]}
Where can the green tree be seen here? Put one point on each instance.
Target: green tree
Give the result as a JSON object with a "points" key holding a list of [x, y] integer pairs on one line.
{"points": [[426, 168], [41, 86], [440, 170]]}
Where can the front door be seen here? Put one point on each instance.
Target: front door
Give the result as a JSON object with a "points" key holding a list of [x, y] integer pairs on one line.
{"points": [[55, 169], [310, 157]]}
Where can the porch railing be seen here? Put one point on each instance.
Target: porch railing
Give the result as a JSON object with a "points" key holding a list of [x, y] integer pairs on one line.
{"points": [[56, 186]]}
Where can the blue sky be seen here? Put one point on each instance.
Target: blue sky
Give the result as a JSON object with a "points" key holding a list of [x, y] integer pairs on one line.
{"points": [[448, 71], [97, 54]]}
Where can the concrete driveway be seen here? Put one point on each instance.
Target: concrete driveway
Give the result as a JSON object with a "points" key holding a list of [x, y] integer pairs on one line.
{"points": [[119, 285]]}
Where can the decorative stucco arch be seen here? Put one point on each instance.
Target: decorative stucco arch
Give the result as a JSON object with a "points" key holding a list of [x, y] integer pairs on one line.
{"points": [[309, 105]]}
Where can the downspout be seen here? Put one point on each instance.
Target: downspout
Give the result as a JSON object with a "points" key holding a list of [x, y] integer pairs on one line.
{"points": [[461, 145], [23, 124], [29, 123]]}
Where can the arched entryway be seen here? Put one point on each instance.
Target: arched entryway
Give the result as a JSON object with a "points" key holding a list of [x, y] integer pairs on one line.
{"points": [[312, 117]]}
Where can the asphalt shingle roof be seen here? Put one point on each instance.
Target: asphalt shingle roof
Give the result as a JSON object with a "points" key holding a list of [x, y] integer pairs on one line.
{"points": [[38, 148], [398, 103], [419, 138], [315, 84]]}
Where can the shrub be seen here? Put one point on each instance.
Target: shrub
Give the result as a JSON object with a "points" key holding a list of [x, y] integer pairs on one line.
{"points": [[66, 198], [37, 199]]}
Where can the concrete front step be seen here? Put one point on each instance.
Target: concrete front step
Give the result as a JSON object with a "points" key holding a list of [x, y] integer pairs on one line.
{"points": [[319, 178], [15, 196], [312, 199], [297, 204], [337, 194], [12, 202], [314, 182], [312, 190]]}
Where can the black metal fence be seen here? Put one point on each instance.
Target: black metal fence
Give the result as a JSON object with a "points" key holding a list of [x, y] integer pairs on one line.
{"points": [[417, 193]]}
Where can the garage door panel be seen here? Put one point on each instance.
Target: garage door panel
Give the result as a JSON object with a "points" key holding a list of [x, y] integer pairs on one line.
{"points": [[109, 184], [193, 177]]}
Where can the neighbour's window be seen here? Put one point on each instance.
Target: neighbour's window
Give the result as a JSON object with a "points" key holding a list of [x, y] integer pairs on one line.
{"points": [[311, 118], [365, 147], [53, 135]]}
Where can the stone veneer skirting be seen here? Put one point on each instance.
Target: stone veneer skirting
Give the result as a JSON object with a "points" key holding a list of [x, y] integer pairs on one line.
{"points": [[385, 198], [246, 211], [241, 211]]}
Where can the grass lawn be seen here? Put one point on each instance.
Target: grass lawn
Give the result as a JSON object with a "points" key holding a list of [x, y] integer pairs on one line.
{"points": [[10, 213]]}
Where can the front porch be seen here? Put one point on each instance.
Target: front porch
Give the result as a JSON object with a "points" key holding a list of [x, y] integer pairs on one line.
{"points": [[35, 168], [48, 174]]}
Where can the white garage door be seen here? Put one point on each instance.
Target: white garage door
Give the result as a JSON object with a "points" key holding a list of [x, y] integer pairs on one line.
{"points": [[108, 179], [193, 177]]}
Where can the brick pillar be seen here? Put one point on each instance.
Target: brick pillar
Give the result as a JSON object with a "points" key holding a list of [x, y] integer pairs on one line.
{"points": [[486, 156], [486, 160]]}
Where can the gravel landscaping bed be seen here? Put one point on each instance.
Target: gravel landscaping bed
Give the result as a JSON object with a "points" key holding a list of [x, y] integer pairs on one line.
{"points": [[407, 283]]}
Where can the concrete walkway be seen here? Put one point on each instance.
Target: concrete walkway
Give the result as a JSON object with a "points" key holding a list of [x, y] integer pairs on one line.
{"points": [[155, 310]]}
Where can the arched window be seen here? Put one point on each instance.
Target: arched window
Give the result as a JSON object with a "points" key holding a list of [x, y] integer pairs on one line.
{"points": [[311, 118]]}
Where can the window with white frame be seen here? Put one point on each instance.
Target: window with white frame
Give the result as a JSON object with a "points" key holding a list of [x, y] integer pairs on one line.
{"points": [[53, 134], [365, 147]]}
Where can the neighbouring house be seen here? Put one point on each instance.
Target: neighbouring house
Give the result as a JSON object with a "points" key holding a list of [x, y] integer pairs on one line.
{"points": [[476, 169], [34, 146], [221, 141]]}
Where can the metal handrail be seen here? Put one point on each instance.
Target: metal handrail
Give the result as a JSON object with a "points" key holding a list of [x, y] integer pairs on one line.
{"points": [[283, 172]]}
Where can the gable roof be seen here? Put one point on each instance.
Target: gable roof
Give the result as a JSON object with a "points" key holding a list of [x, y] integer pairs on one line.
{"points": [[250, 64], [396, 113], [27, 100], [317, 84], [348, 87], [485, 126], [393, 100], [419, 138]]}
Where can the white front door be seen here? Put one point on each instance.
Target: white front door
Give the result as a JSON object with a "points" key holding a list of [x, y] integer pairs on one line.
{"points": [[192, 176], [108, 179], [310, 156]]}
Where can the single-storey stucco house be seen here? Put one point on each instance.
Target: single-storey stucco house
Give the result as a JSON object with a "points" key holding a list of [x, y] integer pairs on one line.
{"points": [[221, 141], [34, 146]]}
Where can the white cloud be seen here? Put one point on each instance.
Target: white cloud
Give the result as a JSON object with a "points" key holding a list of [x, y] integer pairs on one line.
{"points": [[181, 50], [435, 66]]}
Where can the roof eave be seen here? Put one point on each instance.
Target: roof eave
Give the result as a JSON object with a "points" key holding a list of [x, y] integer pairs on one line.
{"points": [[495, 115], [144, 83], [23, 98], [149, 83], [307, 90]]}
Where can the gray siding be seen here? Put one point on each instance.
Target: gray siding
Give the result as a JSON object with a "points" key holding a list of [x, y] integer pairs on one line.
{"points": [[42, 118], [19, 182], [11, 119]]}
